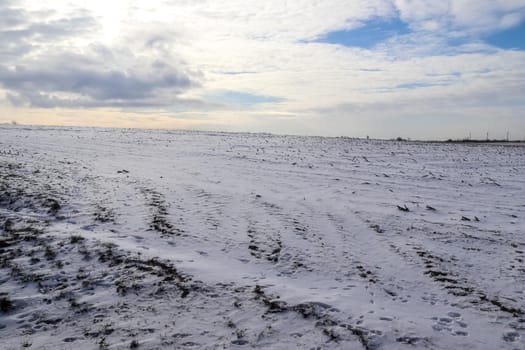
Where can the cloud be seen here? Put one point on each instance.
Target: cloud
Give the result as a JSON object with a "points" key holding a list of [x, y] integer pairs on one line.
{"points": [[19, 35], [19, 25], [69, 82], [462, 17], [44, 66], [10, 17]]}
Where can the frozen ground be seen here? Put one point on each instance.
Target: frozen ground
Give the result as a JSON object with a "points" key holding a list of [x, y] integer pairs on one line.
{"points": [[117, 239]]}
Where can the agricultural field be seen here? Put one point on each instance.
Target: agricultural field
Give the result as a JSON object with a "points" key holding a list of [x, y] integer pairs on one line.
{"points": [[152, 239]]}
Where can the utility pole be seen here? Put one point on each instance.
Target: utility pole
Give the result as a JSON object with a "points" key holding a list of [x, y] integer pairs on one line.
{"points": [[508, 136], [487, 135]]}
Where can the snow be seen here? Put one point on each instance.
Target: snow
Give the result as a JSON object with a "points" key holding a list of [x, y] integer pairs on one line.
{"points": [[221, 240]]}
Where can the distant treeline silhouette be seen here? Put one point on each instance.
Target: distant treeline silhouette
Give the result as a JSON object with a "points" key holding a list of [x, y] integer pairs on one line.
{"points": [[483, 141], [465, 140]]}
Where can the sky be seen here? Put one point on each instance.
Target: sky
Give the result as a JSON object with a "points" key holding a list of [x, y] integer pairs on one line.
{"points": [[421, 69]]}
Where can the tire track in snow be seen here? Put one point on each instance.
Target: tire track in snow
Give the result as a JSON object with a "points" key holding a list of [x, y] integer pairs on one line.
{"points": [[159, 214], [267, 238]]}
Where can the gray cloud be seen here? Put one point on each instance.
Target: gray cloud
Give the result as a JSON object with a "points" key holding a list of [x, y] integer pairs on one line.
{"points": [[104, 85], [40, 67], [41, 100], [11, 17], [54, 29], [19, 32]]}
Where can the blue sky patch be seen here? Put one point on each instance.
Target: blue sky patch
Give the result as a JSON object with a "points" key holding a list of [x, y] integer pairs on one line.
{"points": [[458, 41], [413, 85], [444, 75], [240, 98], [421, 84], [367, 36], [513, 38]]}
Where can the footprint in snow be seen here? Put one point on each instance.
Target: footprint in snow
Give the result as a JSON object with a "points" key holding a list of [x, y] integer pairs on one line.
{"points": [[511, 336], [449, 323]]}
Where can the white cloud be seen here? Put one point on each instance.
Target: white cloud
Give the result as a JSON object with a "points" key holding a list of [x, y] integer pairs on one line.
{"points": [[469, 16]]}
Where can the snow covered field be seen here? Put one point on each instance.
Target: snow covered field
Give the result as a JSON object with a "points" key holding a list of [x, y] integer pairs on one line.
{"points": [[118, 239]]}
